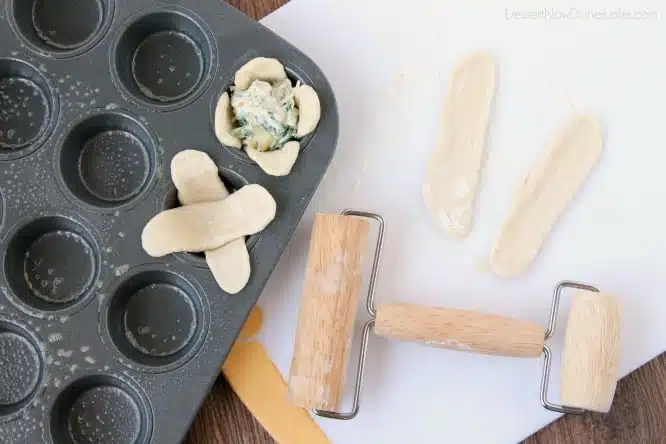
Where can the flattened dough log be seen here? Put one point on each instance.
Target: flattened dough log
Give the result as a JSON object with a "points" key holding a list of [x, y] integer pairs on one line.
{"points": [[278, 162], [309, 109], [197, 179], [591, 357], [209, 225], [224, 122], [260, 68], [545, 193], [230, 265], [454, 170]]}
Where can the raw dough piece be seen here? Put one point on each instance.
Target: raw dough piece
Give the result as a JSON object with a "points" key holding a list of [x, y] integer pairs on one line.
{"points": [[224, 122], [309, 109], [453, 173], [260, 68], [278, 162], [209, 225], [545, 193], [197, 179]]}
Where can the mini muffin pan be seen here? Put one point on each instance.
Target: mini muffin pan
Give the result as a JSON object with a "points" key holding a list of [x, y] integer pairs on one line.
{"points": [[100, 343]]}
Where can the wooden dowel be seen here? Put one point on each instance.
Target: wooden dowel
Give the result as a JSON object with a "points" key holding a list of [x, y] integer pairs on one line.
{"points": [[327, 313], [460, 330], [591, 357]]}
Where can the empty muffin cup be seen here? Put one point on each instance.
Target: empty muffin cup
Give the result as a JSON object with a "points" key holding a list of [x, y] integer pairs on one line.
{"points": [[21, 369], [163, 58], [106, 160], [100, 409], [51, 263], [61, 27], [156, 319], [28, 108]]}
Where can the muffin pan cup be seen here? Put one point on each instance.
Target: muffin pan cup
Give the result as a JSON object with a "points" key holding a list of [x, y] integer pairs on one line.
{"points": [[22, 370], [91, 320]]}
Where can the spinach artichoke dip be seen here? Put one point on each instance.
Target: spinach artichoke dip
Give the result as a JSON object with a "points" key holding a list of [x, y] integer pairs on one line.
{"points": [[265, 115]]}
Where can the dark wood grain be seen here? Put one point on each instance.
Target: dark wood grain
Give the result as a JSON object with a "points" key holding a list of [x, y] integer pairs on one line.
{"points": [[638, 415], [223, 419]]}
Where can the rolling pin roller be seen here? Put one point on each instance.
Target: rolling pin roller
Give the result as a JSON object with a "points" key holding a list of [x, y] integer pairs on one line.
{"points": [[590, 363]]}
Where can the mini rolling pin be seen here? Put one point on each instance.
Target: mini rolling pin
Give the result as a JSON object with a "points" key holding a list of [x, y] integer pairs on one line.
{"points": [[590, 363], [328, 310], [330, 297]]}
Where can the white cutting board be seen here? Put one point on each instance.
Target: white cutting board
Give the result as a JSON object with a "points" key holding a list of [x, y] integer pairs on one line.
{"points": [[389, 62]]}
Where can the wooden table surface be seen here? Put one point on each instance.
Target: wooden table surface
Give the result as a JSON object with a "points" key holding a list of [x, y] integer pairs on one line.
{"points": [[638, 415]]}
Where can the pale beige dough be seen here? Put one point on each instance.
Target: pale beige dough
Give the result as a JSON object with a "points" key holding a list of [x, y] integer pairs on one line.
{"points": [[453, 172], [259, 68], [224, 122], [545, 193], [208, 225], [309, 109], [278, 162], [197, 179]]}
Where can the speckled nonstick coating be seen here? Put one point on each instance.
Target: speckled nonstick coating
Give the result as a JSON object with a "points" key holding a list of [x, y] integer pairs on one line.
{"points": [[98, 341]]}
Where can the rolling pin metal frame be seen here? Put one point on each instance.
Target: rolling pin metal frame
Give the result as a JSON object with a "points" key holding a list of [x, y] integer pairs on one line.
{"points": [[372, 312], [552, 322]]}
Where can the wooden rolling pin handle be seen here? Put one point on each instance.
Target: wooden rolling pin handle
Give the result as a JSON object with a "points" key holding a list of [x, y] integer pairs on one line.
{"points": [[591, 357], [460, 330]]}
